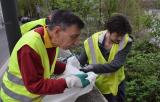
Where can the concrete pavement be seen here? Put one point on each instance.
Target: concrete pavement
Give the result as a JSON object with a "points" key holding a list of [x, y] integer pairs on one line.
{"points": [[4, 50]]}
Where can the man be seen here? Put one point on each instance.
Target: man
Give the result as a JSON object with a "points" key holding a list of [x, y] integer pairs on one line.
{"points": [[106, 52], [33, 61]]}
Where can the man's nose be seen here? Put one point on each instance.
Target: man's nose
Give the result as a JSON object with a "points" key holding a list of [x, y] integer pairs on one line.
{"points": [[77, 42]]}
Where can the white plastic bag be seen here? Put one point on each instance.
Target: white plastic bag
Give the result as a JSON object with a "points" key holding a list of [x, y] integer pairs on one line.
{"points": [[70, 95]]}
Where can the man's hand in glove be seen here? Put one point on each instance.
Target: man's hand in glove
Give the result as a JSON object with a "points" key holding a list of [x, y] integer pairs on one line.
{"points": [[78, 80]]}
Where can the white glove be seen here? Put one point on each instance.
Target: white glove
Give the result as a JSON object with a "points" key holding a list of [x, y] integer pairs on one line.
{"points": [[91, 77], [78, 80]]}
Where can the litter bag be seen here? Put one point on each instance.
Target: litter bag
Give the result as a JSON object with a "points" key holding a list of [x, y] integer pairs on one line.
{"points": [[70, 95]]}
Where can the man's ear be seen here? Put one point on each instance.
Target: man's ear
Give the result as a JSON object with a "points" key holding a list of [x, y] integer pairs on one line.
{"points": [[57, 30]]}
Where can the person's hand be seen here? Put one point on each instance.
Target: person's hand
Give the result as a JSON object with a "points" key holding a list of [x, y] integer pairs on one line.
{"points": [[78, 80], [87, 68]]}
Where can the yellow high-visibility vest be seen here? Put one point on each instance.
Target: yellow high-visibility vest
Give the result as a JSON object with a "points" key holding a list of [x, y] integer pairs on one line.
{"points": [[13, 89], [106, 83], [29, 25]]}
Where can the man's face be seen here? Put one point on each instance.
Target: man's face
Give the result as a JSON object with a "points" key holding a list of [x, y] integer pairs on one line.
{"points": [[68, 37], [116, 38]]}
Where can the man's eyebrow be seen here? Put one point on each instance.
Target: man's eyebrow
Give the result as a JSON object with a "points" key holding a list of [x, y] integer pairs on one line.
{"points": [[75, 35]]}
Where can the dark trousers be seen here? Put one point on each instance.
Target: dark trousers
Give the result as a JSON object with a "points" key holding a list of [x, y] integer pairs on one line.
{"points": [[120, 95]]}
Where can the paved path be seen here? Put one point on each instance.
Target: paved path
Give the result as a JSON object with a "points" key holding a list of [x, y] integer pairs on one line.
{"points": [[4, 50]]}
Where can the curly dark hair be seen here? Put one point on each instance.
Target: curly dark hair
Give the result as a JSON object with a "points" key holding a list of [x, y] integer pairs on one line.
{"points": [[119, 24]]}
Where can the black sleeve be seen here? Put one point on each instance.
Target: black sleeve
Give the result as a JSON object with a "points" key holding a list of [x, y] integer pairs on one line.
{"points": [[83, 60], [117, 63]]}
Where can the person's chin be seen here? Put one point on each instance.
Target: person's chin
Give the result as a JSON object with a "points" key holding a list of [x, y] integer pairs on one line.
{"points": [[116, 42], [65, 48]]}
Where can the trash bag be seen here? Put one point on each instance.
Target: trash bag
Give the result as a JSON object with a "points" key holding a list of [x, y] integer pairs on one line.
{"points": [[70, 95]]}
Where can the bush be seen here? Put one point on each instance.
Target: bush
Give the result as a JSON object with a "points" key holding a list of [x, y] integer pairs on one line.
{"points": [[155, 28], [143, 73]]}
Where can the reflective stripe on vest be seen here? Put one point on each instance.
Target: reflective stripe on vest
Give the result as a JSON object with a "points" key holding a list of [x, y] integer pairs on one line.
{"points": [[14, 79], [17, 96], [91, 46]]}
